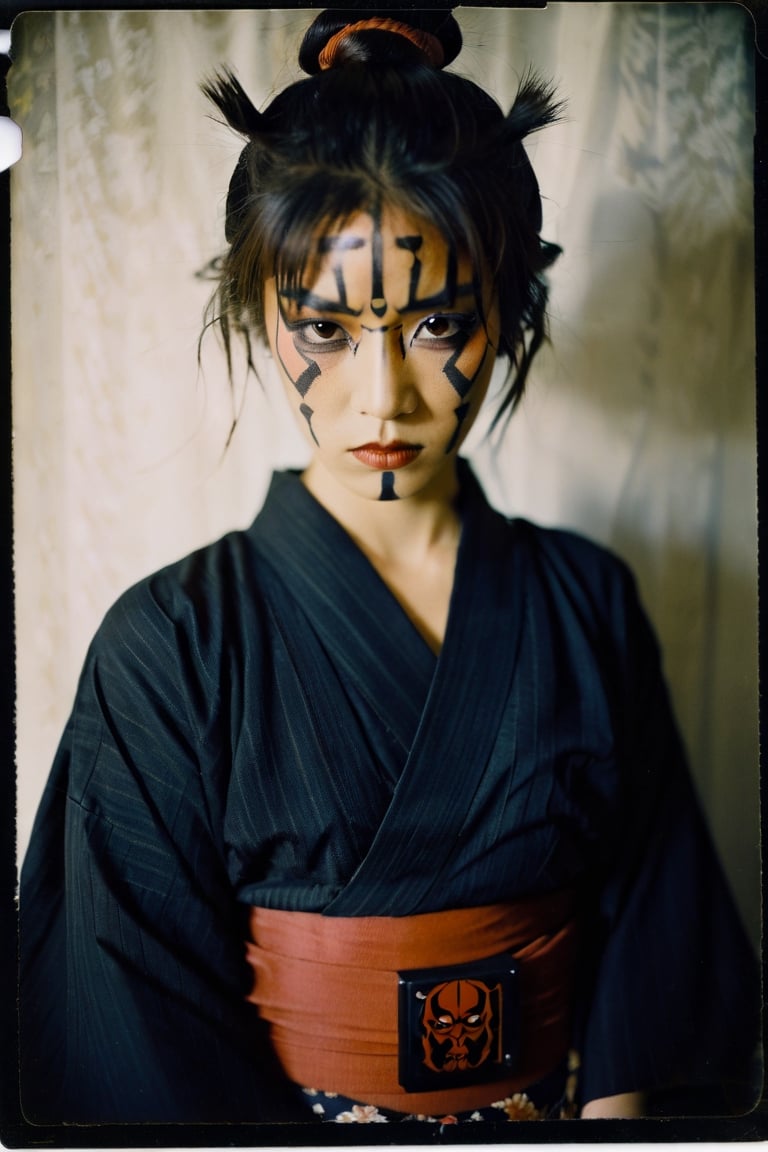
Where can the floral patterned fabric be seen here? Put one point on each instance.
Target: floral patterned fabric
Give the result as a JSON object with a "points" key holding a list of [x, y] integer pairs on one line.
{"points": [[537, 1103]]}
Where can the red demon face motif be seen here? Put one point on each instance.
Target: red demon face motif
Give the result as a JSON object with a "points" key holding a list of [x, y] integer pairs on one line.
{"points": [[460, 1022]]}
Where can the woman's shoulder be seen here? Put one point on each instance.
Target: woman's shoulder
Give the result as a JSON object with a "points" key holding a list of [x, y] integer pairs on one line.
{"points": [[553, 551], [556, 549], [564, 547], [232, 575], [192, 600], [574, 569]]}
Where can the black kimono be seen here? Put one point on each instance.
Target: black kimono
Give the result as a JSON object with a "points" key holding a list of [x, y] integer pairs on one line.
{"points": [[261, 724]]}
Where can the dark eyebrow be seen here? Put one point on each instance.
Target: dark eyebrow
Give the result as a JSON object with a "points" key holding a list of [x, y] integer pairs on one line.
{"points": [[464, 294], [306, 298], [339, 243]]}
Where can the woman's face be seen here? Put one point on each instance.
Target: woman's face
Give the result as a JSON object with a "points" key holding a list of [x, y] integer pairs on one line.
{"points": [[384, 354]]}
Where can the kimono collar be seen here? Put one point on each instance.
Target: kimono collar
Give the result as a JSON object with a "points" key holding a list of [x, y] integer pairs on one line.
{"points": [[445, 711]]}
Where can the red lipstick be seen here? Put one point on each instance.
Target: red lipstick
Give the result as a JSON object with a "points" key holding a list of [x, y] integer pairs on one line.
{"points": [[387, 457]]}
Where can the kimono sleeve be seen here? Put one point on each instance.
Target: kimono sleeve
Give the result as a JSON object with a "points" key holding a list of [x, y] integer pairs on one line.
{"points": [[674, 1010], [133, 975]]}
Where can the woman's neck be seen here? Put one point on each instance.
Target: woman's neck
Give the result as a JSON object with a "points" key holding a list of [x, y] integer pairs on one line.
{"points": [[421, 529], [412, 543]]}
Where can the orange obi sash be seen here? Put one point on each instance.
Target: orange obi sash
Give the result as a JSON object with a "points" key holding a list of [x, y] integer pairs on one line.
{"points": [[328, 986]]}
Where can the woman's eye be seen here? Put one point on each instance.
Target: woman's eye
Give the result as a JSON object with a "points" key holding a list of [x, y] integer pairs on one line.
{"points": [[320, 335], [444, 329], [321, 332]]}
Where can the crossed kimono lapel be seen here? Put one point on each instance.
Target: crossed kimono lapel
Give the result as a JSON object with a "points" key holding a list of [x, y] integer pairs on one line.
{"points": [[446, 712], [373, 644]]}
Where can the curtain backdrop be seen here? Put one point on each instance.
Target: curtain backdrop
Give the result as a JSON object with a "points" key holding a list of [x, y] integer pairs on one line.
{"points": [[639, 427]]}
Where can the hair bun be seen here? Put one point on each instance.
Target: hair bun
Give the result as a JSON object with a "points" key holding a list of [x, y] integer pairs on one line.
{"points": [[377, 36]]}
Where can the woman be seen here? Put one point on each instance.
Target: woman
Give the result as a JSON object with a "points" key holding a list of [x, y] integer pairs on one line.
{"points": [[378, 809]]}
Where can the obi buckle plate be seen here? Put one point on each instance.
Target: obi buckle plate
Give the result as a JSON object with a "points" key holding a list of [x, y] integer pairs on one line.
{"points": [[459, 1024]]}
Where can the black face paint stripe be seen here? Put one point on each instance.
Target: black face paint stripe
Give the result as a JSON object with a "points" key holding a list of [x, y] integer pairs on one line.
{"points": [[378, 302], [446, 295], [307, 379], [308, 413], [304, 382], [305, 298], [458, 380], [412, 244], [388, 487], [462, 384], [461, 414]]}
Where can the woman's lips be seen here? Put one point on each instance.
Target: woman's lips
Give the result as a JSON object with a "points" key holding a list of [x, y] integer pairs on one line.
{"points": [[386, 457]]}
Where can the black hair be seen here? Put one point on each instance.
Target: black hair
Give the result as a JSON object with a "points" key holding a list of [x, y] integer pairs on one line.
{"points": [[383, 125]]}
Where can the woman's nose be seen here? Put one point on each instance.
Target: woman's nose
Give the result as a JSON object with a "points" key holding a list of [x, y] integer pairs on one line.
{"points": [[384, 381]]}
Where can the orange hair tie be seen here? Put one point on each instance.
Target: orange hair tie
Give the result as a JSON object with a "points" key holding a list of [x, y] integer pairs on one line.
{"points": [[424, 41]]}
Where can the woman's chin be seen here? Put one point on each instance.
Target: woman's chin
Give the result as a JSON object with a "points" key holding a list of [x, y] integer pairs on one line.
{"points": [[410, 482]]}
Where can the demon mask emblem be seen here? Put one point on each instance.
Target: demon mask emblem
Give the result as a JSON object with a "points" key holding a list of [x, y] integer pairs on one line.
{"points": [[460, 1025]]}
